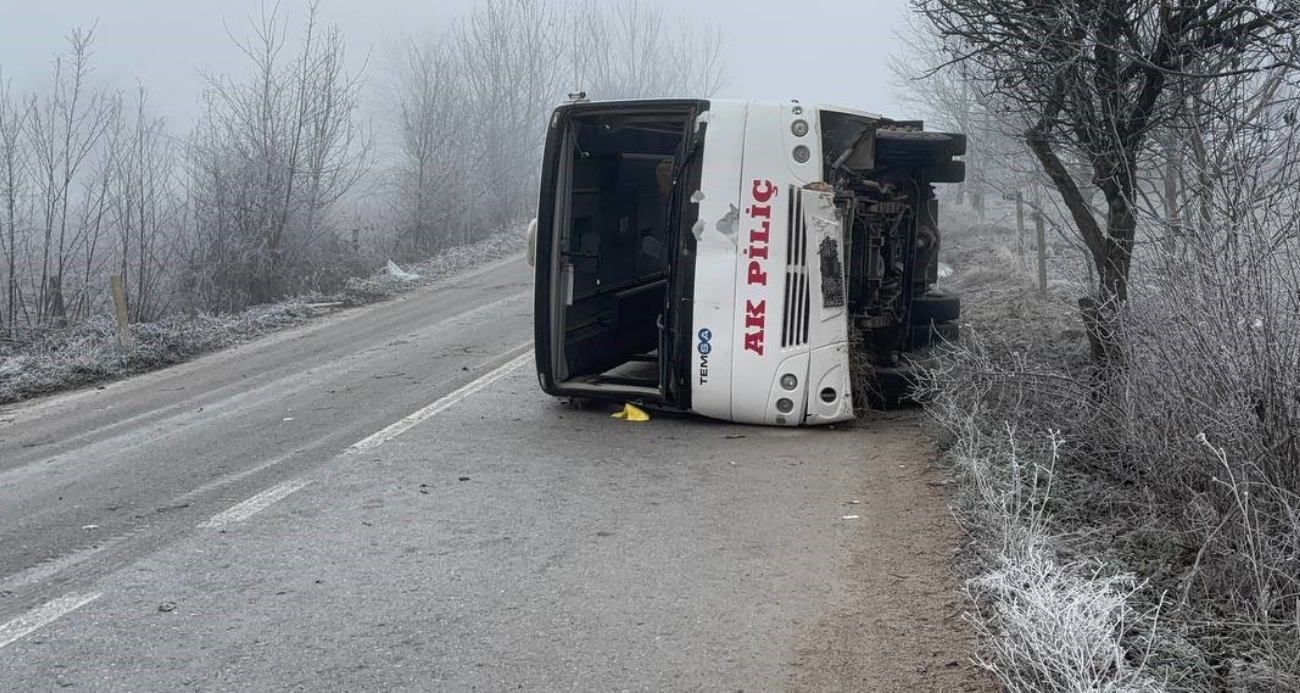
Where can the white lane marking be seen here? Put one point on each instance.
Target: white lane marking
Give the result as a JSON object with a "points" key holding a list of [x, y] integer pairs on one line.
{"points": [[44, 571], [254, 505], [43, 616], [441, 405], [190, 496]]}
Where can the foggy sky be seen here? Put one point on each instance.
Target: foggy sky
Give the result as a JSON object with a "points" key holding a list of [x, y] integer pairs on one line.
{"points": [[829, 51]]}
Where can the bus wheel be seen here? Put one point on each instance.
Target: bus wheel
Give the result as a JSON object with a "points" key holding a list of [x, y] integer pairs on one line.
{"points": [[931, 309], [892, 386], [924, 336]]}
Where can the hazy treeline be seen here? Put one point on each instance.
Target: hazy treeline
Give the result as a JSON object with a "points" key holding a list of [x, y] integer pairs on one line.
{"points": [[282, 186]]}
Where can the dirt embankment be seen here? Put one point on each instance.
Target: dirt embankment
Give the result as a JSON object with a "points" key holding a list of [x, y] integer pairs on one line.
{"points": [[899, 626]]}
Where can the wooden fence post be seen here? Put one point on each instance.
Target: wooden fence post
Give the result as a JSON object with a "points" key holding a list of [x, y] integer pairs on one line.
{"points": [[124, 338], [1042, 252], [1020, 227]]}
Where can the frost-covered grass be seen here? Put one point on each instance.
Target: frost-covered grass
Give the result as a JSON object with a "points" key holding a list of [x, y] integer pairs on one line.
{"points": [[52, 360], [1050, 621], [1134, 529], [89, 353], [445, 263]]}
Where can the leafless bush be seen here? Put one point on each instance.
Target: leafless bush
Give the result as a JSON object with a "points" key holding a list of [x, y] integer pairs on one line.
{"points": [[1050, 623], [267, 164], [1210, 396], [1181, 469]]}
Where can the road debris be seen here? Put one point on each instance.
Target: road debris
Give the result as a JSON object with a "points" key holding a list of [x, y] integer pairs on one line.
{"points": [[631, 413], [851, 517], [167, 607], [400, 274]]}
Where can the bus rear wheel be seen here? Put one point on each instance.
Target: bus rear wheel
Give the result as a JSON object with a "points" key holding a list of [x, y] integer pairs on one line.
{"points": [[891, 387], [935, 308], [935, 334]]}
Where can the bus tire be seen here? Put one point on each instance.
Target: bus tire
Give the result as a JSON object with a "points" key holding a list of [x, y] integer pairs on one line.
{"points": [[932, 308], [892, 386], [935, 334], [947, 172]]}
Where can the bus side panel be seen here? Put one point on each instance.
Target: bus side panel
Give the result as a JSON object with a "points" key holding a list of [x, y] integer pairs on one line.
{"points": [[715, 263]]}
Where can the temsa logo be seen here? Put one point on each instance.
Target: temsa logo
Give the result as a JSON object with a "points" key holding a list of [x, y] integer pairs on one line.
{"points": [[760, 234]]}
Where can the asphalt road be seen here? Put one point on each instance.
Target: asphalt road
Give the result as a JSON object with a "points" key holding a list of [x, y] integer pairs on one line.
{"points": [[384, 500]]}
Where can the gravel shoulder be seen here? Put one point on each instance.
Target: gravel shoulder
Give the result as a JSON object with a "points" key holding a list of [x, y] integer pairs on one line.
{"points": [[898, 624]]}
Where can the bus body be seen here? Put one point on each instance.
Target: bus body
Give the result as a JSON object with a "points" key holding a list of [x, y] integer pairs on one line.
{"points": [[745, 261]]}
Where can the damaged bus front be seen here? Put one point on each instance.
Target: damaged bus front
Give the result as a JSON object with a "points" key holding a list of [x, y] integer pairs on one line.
{"points": [[754, 262]]}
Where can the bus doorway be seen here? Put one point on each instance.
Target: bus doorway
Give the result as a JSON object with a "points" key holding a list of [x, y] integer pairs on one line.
{"points": [[614, 236]]}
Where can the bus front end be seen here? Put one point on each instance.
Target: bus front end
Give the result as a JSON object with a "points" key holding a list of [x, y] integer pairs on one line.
{"points": [[771, 331]]}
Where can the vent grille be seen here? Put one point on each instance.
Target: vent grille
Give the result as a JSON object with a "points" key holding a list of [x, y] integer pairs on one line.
{"points": [[794, 322]]}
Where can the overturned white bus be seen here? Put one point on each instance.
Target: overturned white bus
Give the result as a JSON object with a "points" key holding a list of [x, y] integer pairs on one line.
{"points": [[748, 261]]}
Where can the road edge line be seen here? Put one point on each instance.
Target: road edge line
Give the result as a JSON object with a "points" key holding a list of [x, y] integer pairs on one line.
{"points": [[438, 406], [242, 511]]}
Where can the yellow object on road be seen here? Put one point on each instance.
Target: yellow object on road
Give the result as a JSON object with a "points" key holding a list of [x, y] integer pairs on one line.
{"points": [[631, 413]]}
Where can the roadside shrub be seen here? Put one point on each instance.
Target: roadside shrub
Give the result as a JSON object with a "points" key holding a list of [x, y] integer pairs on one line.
{"points": [[1049, 621], [1177, 481], [1208, 424]]}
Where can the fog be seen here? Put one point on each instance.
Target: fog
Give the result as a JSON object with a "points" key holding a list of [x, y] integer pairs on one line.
{"points": [[829, 51], [219, 154]]}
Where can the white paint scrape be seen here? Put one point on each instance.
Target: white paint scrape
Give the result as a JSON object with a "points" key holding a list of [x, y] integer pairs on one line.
{"points": [[254, 505], [441, 405], [43, 616]]}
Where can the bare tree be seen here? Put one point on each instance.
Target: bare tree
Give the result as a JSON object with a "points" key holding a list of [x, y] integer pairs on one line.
{"points": [[620, 49], [697, 58], [945, 98], [472, 104], [633, 49], [510, 53], [12, 169], [431, 136], [1095, 78], [63, 130], [269, 161], [142, 207]]}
